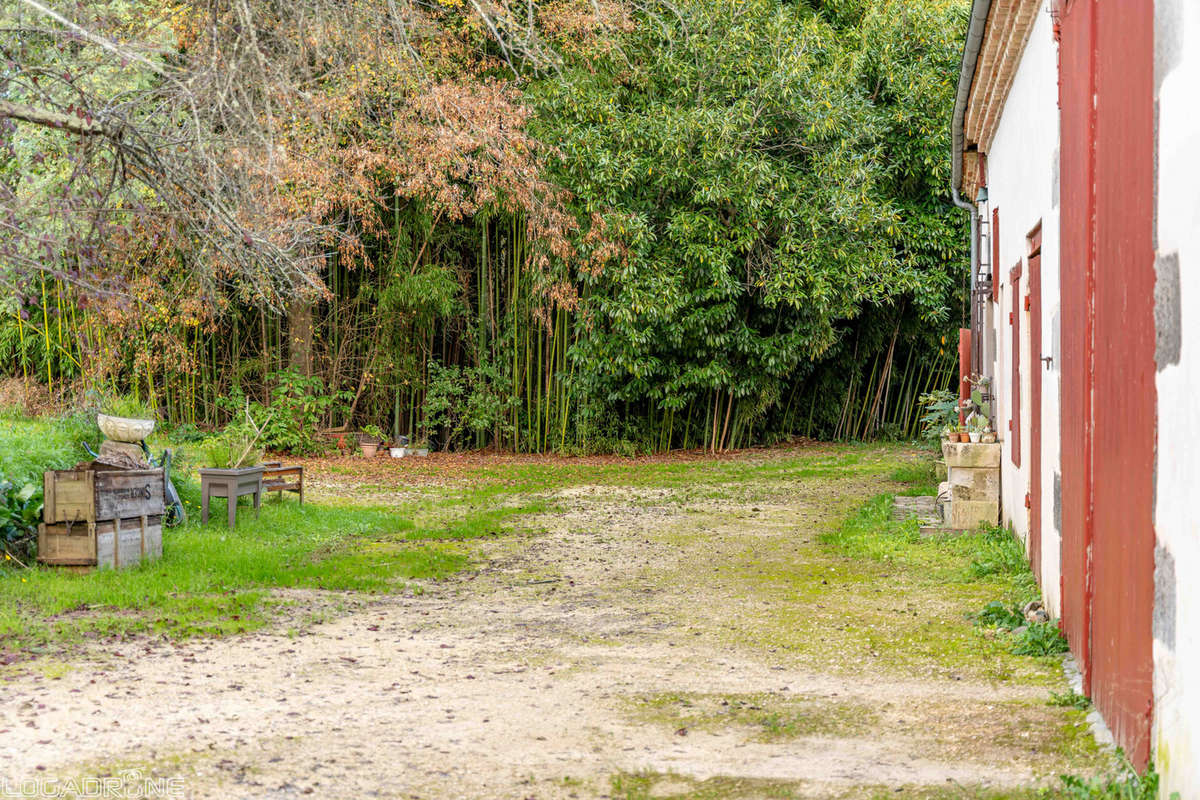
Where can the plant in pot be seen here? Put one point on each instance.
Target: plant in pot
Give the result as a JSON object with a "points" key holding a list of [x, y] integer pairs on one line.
{"points": [[941, 413], [232, 451], [123, 419], [963, 435], [372, 437], [234, 469], [975, 428]]}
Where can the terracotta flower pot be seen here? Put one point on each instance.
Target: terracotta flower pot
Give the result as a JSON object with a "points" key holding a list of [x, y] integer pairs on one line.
{"points": [[369, 449]]}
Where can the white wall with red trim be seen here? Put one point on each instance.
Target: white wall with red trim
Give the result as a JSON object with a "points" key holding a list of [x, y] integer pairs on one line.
{"points": [[1177, 515], [1022, 178]]}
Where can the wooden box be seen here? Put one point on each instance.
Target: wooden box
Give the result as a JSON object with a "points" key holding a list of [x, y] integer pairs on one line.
{"points": [[91, 495], [108, 544]]}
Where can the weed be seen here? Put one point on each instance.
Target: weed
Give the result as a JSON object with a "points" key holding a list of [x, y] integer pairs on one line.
{"points": [[1039, 639], [1069, 699], [1125, 785], [1000, 554], [1000, 615]]}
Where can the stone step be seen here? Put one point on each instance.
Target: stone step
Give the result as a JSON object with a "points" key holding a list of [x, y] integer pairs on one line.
{"points": [[932, 531], [923, 508]]}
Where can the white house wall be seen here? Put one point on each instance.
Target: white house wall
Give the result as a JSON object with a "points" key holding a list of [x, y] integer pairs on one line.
{"points": [[1177, 312], [1022, 181]]}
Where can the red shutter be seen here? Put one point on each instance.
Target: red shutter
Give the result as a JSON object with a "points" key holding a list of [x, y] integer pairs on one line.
{"points": [[1014, 319], [995, 255]]}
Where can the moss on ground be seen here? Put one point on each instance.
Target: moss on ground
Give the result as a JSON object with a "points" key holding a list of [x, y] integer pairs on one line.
{"points": [[764, 716]]}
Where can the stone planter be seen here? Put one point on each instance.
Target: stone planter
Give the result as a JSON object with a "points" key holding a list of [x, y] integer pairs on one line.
{"points": [[124, 429]]}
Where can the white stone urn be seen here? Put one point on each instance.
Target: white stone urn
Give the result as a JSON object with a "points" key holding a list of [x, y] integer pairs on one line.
{"points": [[124, 429]]}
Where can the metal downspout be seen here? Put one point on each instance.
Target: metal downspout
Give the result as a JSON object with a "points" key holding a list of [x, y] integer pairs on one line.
{"points": [[975, 29]]}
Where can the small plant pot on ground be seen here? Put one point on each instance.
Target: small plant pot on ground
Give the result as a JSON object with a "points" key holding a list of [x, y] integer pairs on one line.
{"points": [[396, 452], [124, 429], [369, 449]]}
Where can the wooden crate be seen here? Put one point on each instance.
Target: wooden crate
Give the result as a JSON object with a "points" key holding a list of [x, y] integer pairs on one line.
{"points": [[100, 495], [109, 544]]}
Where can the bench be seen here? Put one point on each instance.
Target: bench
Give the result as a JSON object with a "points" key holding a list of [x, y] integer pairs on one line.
{"points": [[278, 478]]}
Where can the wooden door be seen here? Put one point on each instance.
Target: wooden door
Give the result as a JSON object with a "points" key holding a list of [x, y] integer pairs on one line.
{"points": [[1076, 86], [1036, 364], [1124, 392], [1106, 94]]}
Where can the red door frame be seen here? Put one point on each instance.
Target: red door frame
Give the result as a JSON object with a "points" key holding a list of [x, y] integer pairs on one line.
{"points": [[1106, 93], [1033, 303]]}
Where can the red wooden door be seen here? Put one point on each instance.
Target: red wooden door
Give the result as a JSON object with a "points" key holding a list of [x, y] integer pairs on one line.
{"points": [[1106, 92], [1034, 304], [1014, 411], [1124, 404], [1076, 164]]}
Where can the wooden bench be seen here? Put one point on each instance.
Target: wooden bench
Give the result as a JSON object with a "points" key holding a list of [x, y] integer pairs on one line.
{"points": [[278, 478]]}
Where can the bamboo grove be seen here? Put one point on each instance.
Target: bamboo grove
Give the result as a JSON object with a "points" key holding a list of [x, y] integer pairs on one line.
{"points": [[646, 227]]}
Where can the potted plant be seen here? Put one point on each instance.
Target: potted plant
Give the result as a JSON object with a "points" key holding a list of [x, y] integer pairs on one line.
{"points": [[975, 432], [963, 436], [232, 452], [234, 469], [372, 437], [124, 419]]}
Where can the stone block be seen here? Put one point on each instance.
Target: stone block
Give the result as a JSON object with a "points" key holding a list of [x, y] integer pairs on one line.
{"points": [[976, 456], [975, 484], [967, 514]]}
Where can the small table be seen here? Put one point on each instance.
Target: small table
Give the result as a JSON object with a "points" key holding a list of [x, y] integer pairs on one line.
{"points": [[230, 484]]}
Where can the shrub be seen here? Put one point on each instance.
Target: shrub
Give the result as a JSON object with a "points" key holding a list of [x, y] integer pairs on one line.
{"points": [[290, 422], [20, 513]]}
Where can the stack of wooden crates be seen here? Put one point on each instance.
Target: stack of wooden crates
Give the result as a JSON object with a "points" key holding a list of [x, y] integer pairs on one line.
{"points": [[98, 516]]}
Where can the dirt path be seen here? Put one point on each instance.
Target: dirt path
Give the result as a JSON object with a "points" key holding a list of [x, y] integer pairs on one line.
{"points": [[649, 643]]}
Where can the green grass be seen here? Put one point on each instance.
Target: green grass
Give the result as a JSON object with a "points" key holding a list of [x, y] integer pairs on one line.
{"points": [[29, 447], [987, 553], [212, 580], [921, 477], [667, 786]]}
